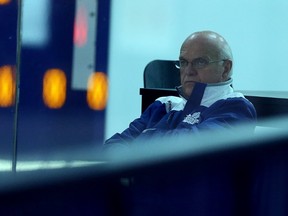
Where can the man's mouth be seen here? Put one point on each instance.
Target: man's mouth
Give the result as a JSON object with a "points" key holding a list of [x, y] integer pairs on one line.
{"points": [[189, 82]]}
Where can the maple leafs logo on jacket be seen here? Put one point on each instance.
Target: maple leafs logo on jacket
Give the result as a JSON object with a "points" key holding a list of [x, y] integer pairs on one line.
{"points": [[192, 119]]}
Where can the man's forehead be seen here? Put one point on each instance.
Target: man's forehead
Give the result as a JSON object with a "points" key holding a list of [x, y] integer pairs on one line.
{"points": [[200, 45], [197, 48]]}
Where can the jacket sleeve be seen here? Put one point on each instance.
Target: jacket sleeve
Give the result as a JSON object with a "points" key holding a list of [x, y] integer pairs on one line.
{"points": [[148, 118], [223, 115]]}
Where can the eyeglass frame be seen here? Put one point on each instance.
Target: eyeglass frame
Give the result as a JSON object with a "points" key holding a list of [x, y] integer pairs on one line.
{"points": [[178, 64]]}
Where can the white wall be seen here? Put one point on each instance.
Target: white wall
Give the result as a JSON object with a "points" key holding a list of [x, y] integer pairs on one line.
{"points": [[143, 30]]}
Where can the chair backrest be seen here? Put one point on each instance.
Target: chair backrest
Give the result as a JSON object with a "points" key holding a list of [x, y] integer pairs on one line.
{"points": [[161, 74]]}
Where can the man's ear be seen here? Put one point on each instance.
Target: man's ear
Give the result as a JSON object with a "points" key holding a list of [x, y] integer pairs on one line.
{"points": [[227, 69]]}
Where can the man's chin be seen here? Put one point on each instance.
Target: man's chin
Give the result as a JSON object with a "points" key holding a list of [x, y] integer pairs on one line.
{"points": [[188, 92]]}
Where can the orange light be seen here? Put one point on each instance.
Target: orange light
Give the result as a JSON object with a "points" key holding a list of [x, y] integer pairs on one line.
{"points": [[3, 2], [80, 27], [7, 86], [54, 88], [97, 92]]}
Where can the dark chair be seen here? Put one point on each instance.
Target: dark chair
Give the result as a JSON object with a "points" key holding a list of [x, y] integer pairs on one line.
{"points": [[161, 74]]}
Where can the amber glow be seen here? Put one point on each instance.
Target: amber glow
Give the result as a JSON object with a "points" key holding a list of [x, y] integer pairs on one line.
{"points": [[54, 88], [80, 27], [3, 2], [7, 86], [97, 92]]}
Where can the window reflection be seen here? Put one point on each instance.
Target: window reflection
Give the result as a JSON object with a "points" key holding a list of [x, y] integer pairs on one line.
{"points": [[54, 88], [81, 27], [36, 23], [97, 91], [62, 43], [22, 166], [7, 86], [4, 2]]}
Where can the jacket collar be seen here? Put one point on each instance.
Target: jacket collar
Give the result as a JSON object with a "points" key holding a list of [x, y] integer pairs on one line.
{"points": [[211, 92]]}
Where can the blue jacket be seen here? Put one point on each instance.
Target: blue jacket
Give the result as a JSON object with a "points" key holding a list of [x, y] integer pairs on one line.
{"points": [[210, 107]]}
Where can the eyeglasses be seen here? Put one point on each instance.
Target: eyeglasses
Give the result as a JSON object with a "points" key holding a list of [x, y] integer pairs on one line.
{"points": [[197, 63]]}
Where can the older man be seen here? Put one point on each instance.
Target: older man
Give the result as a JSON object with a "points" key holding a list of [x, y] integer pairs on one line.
{"points": [[207, 100]]}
